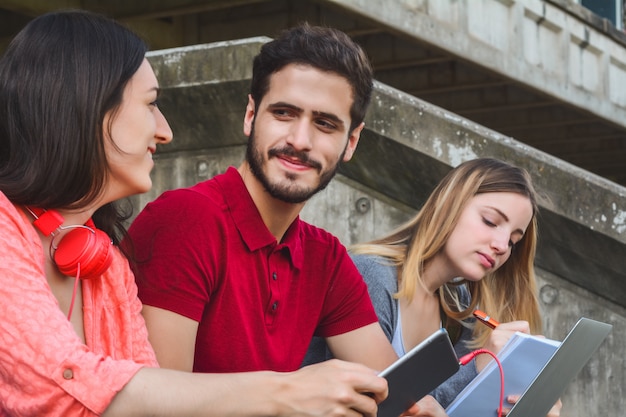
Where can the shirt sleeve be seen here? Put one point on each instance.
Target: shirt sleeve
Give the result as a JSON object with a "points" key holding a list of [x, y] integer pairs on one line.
{"points": [[347, 306], [448, 391], [380, 283], [45, 369], [180, 278], [381, 280], [142, 349]]}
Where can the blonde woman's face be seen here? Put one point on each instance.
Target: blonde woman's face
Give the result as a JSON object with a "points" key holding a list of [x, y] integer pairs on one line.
{"points": [[489, 226]]}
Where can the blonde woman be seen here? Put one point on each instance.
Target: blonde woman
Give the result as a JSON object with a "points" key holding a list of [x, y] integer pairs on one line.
{"points": [[471, 245]]}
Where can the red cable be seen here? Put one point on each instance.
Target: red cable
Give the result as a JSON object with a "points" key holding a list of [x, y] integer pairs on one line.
{"points": [[467, 358], [76, 280]]}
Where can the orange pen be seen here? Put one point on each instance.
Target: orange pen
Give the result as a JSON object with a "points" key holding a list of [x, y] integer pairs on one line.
{"points": [[485, 319]]}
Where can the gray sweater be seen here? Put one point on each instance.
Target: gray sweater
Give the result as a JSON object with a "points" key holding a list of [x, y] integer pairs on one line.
{"points": [[382, 283]]}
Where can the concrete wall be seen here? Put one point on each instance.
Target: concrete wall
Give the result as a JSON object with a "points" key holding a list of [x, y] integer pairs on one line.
{"points": [[408, 145], [555, 46]]}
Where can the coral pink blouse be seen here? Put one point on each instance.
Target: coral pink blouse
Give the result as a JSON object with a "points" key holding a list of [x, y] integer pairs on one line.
{"points": [[45, 369]]}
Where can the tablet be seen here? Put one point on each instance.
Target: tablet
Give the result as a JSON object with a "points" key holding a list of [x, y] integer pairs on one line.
{"points": [[417, 373], [573, 354]]}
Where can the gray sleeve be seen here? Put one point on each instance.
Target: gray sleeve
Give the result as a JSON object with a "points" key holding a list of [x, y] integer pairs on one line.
{"points": [[446, 392], [382, 284]]}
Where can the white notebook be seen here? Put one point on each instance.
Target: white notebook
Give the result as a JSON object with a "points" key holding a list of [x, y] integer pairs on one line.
{"points": [[537, 368]]}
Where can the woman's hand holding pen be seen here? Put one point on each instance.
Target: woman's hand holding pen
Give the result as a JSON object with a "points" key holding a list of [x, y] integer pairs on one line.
{"points": [[498, 338], [501, 334]]}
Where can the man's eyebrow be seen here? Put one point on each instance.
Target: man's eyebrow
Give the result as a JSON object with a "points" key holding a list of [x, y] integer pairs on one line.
{"points": [[329, 116], [282, 104]]}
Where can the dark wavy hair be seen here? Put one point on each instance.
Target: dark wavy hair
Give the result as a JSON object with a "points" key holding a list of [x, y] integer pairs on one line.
{"points": [[59, 77], [323, 48]]}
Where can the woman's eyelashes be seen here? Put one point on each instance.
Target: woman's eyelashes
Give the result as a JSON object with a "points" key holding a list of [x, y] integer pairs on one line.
{"points": [[489, 222], [494, 224]]}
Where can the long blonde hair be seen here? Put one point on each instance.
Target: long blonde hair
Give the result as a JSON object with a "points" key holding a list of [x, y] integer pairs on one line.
{"points": [[510, 292]]}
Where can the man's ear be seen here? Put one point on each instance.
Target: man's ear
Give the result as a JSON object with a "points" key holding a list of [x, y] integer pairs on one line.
{"points": [[353, 140], [248, 118]]}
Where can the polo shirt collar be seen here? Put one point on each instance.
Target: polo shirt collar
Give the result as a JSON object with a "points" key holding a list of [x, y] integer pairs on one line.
{"points": [[249, 223]]}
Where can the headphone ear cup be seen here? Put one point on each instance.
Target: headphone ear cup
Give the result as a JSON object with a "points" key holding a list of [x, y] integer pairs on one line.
{"points": [[91, 248]]}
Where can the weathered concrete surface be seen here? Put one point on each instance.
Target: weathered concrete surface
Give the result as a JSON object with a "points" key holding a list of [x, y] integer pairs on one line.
{"points": [[553, 46], [546, 72], [407, 146], [583, 217]]}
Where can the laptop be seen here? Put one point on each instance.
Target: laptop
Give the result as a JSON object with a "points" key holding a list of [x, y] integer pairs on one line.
{"points": [[538, 369], [571, 356]]}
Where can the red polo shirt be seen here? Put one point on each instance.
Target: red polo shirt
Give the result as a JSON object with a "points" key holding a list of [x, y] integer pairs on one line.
{"points": [[205, 253]]}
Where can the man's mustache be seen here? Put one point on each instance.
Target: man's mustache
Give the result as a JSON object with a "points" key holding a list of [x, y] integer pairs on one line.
{"points": [[303, 157]]}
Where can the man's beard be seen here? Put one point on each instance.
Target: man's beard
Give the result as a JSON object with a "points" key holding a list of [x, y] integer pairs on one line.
{"points": [[287, 190]]}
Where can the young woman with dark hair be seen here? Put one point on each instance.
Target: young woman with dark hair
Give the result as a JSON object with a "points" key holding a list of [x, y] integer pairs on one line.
{"points": [[79, 126]]}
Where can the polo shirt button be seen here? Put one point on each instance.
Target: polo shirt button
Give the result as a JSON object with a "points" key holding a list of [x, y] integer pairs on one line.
{"points": [[275, 305], [68, 374], [274, 276]]}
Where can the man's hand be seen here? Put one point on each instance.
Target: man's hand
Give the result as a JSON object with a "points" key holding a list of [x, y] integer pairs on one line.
{"points": [[331, 388]]}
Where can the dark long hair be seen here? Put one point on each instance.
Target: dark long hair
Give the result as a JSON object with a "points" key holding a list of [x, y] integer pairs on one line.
{"points": [[58, 78], [323, 48]]}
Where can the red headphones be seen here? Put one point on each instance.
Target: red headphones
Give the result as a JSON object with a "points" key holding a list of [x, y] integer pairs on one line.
{"points": [[84, 251]]}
